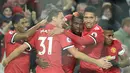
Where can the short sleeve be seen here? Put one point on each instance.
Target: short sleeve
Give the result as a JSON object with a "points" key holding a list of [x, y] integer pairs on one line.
{"points": [[65, 42]]}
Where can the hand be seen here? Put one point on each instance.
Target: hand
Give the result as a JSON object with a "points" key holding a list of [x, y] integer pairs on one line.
{"points": [[27, 12], [56, 31], [43, 22], [34, 16], [42, 63], [103, 63], [5, 63]]}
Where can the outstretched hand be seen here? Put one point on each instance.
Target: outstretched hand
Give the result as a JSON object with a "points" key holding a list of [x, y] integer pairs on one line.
{"points": [[103, 63], [5, 63]]}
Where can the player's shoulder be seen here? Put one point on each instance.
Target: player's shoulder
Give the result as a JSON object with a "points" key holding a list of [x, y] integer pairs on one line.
{"points": [[10, 32], [97, 28], [63, 37], [117, 43]]}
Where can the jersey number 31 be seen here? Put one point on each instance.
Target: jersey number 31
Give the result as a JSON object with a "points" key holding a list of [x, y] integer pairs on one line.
{"points": [[42, 44]]}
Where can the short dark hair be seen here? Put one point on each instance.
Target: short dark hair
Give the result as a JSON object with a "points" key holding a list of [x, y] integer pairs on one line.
{"points": [[91, 9], [16, 18], [125, 22], [78, 15]]}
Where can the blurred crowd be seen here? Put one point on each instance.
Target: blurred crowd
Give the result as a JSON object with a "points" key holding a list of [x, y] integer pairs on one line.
{"points": [[110, 16]]}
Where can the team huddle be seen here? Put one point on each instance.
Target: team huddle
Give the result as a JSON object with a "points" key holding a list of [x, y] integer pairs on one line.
{"points": [[59, 50]]}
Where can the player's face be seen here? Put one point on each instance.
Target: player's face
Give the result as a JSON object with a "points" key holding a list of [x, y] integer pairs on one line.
{"points": [[7, 12], [89, 19], [60, 20], [77, 26], [108, 37], [23, 25]]}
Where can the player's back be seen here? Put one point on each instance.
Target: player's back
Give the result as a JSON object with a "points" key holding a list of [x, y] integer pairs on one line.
{"points": [[49, 48]]}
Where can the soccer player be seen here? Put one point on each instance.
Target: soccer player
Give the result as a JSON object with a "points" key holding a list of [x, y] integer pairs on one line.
{"points": [[113, 48], [92, 38], [76, 22], [49, 48], [14, 39]]}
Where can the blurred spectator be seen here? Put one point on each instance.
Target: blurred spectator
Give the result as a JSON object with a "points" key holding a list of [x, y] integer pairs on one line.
{"points": [[117, 11], [123, 5], [107, 20], [123, 34], [6, 13], [2, 3], [128, 2], [97, 4], [81, 7]]}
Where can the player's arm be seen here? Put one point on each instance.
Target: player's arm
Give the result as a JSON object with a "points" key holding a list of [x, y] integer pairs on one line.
{"points": [[79, 55], [30, 32], [125, 60], [87, 40], [15, 53]]}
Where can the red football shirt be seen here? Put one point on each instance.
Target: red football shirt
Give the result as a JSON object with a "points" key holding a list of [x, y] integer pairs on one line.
{"points": [[94, 50], [19, 64], [50, 48], [113, 50], [68, 60]]}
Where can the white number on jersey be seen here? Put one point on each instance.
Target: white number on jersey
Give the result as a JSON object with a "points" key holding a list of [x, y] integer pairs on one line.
{"points": [[43, 45]]}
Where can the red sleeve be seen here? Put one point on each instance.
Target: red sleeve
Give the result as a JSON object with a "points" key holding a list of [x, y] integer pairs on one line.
{"points": [[121, 47], [86, 40], [97, 36], [32, 40], [9, 37], [65, 42]]}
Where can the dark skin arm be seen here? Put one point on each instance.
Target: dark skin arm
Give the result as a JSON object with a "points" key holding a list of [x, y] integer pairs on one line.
{"points": [[41, 62], [30, 32]]}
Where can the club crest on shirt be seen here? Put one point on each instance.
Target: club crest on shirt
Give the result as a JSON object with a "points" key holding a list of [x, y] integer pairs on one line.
{"points": [[113, 50], [68, 39]]}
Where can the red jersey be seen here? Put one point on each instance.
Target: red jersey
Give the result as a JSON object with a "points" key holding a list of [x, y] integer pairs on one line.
{"points": [[19, 64], [113, 50], [50, 49], [68, 60], [93, 50]]}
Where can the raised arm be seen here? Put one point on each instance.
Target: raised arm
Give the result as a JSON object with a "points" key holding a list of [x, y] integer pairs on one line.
{"points": [[30, 32]]}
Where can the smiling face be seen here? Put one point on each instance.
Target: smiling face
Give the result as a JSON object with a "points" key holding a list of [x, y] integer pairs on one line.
{"points": [[7, 12], [77, 26], [89, 19], [59, 20], [22, 25]]}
